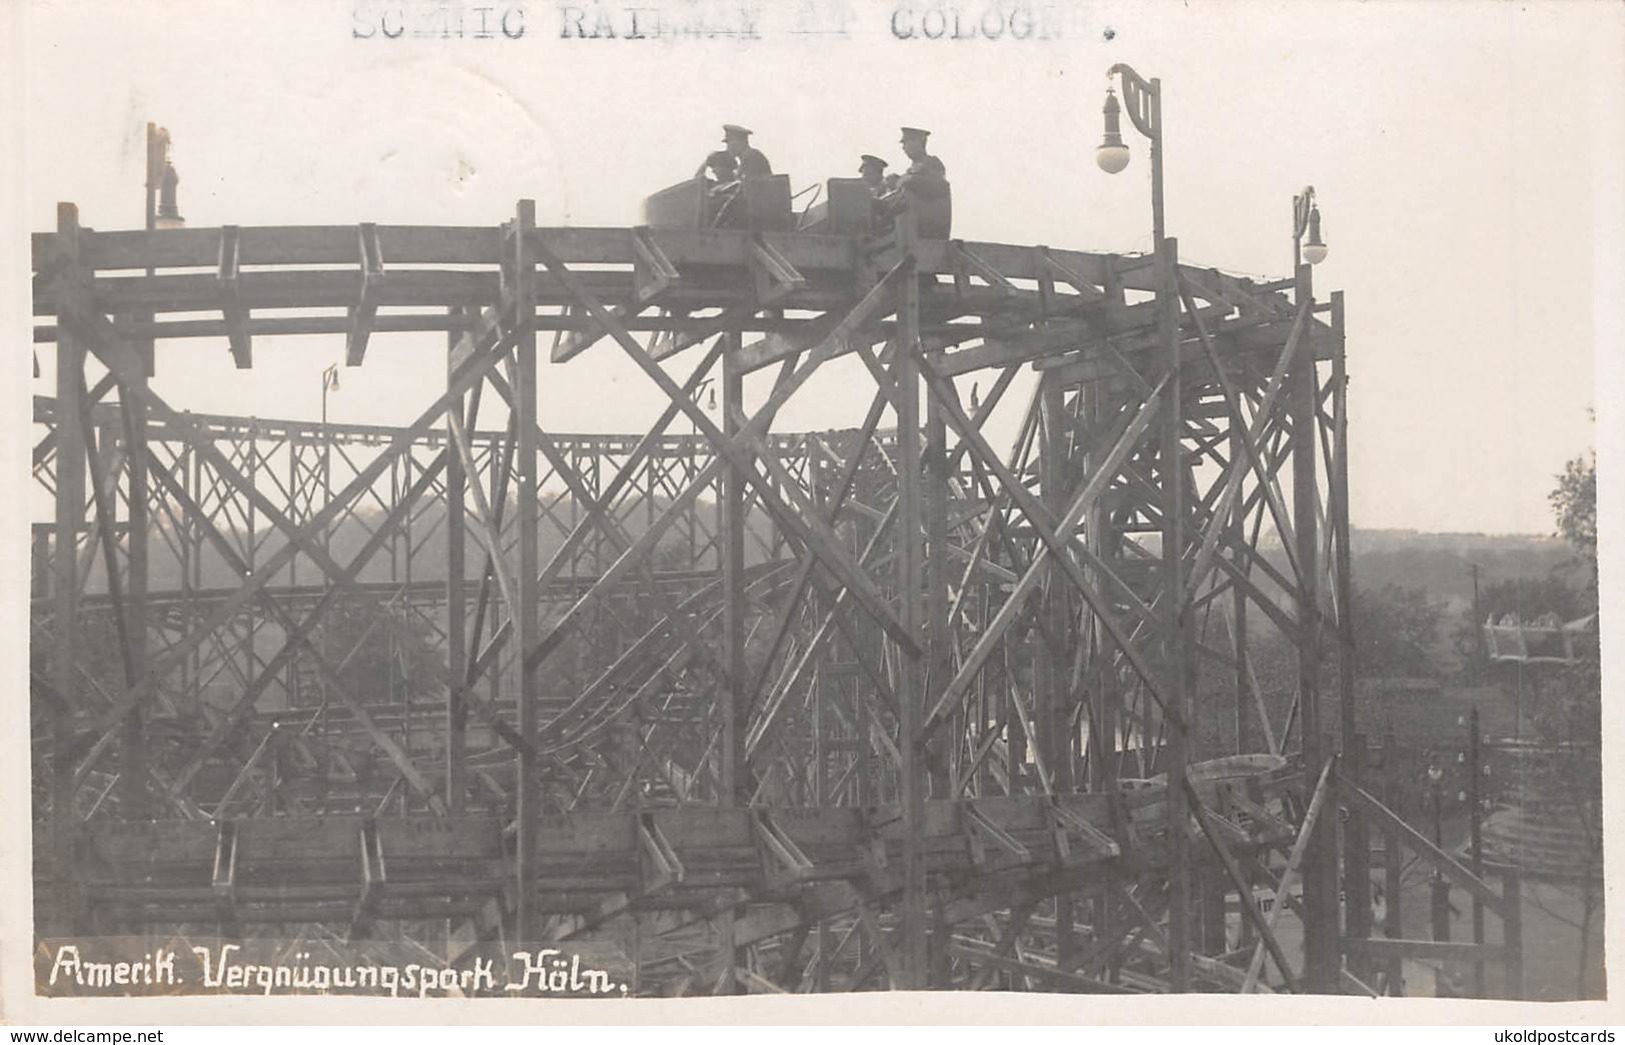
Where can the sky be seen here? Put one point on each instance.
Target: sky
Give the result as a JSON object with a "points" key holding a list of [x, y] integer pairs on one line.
{"points": [[1457, 150]]}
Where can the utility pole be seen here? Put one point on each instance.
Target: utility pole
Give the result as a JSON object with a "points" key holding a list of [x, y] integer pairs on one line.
{"points": [[1478, 623]]}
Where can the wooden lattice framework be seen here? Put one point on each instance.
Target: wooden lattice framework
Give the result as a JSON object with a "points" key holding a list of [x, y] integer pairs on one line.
{"points": [[808, 711]]}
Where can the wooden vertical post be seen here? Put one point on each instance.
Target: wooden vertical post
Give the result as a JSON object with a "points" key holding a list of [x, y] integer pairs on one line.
{"points": [[1052, 672], [1320, 870], [1474, 760], [1178, 620], [1243, 711], [1358, 860], [456, 601], [1393, 925], [1343, 575], [1104, 693], [735, 786], [526, 615], [70, 513], [132, 741], [1357, 856], [1512, 931], [910, 518], [938, 566]]}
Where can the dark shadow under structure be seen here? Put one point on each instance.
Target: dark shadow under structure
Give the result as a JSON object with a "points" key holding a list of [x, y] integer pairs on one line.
{"points": [[880, 707]]}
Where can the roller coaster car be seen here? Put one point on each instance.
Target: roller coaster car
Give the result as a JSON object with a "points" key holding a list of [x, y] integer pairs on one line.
{"points": [[846, 209], [760, 204], [936, 216]]}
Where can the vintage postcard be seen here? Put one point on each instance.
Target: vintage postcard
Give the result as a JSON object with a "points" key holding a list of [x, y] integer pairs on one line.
{"points": [[696, 507]]}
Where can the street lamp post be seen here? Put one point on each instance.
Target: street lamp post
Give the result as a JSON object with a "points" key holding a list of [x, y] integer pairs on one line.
{"points": [[1144, 103], [1144, 98]]}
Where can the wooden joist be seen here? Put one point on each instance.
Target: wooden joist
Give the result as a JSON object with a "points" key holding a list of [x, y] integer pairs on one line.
{"points": [[232, 309], [774, 275], [365, 310]]}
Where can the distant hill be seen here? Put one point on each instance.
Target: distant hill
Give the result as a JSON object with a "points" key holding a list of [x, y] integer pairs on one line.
{"points": [[1442, 562], [1438, 562]]}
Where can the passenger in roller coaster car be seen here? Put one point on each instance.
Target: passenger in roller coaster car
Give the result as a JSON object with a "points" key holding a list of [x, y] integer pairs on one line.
{"points": [[752, 164], [725, 170], [923, 188], [872, 169]]}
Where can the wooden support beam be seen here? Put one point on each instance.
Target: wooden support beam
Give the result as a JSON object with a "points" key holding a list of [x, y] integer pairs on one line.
{"points": [[232, 310], [66, 647], [910, 534], [527, 613], [456, 609], [653, 272], [365, 310], [774, 275]]}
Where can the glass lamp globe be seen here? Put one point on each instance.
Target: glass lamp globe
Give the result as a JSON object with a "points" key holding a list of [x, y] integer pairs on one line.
{"points": [[1314, 253], [1112, 157]]}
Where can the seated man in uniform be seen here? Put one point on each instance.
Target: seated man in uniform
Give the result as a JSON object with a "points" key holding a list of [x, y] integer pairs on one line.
{"points": [[721, 174], [923, 188], [725, 169], [752, 164], [872, 169]]}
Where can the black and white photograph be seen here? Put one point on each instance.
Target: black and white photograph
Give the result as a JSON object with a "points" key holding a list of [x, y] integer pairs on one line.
{"points": [[704, 503]]}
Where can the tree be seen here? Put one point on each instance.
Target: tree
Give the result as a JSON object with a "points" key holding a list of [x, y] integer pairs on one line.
{"points": [[1574, 502], [1567, 713], [1398, 631]]}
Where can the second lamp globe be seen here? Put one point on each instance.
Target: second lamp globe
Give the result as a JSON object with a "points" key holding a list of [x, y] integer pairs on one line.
{"points": [[1112, 156]]}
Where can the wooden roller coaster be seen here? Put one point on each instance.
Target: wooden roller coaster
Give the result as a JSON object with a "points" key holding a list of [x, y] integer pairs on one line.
{"points": [[875, 707]]}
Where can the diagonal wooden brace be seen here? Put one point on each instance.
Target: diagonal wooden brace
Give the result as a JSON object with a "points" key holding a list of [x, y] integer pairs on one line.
{"points": [[231, 305], [810, 532], [365, 309], [772, 272]]}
